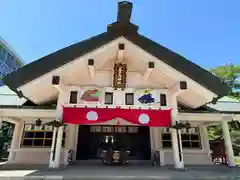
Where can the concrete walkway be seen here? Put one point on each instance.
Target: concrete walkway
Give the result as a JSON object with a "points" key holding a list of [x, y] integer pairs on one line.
{"points": [[97, 172]]}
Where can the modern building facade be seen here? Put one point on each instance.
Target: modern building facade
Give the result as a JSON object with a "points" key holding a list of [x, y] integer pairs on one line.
{"points": [[118, 86], [9, 60]]}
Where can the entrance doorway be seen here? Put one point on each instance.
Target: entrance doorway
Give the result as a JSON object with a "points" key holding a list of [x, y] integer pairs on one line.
{"points": [[135, 139]]}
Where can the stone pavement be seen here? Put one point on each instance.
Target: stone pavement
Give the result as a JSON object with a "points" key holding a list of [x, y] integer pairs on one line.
{"points": [[131, 172]]}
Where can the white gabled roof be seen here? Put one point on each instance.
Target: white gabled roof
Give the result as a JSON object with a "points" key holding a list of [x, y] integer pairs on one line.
{"points": [[226, 104]]}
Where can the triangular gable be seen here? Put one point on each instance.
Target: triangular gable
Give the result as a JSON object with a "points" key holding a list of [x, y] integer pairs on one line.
{"points": [[121, 28]]}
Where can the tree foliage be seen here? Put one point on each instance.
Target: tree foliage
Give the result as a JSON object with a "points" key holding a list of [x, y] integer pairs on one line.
{"points": [[230, 74], [5, 135]]}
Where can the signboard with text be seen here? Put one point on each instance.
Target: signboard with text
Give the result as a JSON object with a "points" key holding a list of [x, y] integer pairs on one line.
{"points": [[119, 76]]}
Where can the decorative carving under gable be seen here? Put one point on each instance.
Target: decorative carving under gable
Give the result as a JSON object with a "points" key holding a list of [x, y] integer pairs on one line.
{"points": [[119, 75]]}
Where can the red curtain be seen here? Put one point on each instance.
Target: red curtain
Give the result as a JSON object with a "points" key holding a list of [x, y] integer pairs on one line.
{"points": [[150, 117]]}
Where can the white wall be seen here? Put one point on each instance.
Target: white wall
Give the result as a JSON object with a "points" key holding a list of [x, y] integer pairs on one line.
{"points": [[118, 96], [34, 156], [191, 156], [41, 155]]}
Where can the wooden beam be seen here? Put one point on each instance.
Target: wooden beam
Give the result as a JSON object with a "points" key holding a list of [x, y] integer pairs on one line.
{"points": [[178, 88], [23, 113], [148, 71], [11, 120], [120, 53], [58, 83], [91, 68]]}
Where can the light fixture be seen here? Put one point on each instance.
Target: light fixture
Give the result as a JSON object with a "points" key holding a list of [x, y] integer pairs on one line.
{"points": [[234, 125], [38, 122], [180, 125], [187, 125]]}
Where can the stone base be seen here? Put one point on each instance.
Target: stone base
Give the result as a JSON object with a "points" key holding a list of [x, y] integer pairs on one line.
{"points": [[62, 167], [180, 169]]}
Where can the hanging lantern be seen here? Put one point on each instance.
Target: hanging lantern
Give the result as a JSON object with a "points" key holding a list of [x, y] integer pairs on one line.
{"points": [[180, 125], [56, 123], [38, 124], [234, 125], [187, 125]]}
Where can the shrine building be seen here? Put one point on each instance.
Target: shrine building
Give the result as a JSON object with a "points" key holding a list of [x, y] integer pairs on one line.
{"points": [[117, 86]]}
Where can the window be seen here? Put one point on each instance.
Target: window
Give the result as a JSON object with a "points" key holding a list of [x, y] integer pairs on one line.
{"points": [[113, 129], [41, 137], [73, 97], [163, 100], [95, 129], [132, 129], [190, 138], [121, 129], [10, 60], [129, 99], [108, 98], [3, 53], [107, 129], [166, 138]]}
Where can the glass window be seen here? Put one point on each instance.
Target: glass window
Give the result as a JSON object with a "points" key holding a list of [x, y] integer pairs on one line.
{"points": [[17, 65], [129, 99], [3, 53], [10, 61], [190, 138], [107, 129], [132, 129], [73, 97], [108, 98], [163, 100], [95, 129], [38, 138], [121, 129]]}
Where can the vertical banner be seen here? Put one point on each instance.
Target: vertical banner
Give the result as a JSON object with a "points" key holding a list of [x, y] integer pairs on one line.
{"points": [[119, 76]]}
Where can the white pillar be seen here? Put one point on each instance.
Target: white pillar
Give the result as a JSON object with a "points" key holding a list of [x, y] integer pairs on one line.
{"points": [[151, 139], [205, 139], [55, 154], [176, 138], [162, 154], [177, 151], [1, 122], [156, 138], [76, 129], [52, 160], [59, 146], [15, 141], [228, 144], [69, 141]]}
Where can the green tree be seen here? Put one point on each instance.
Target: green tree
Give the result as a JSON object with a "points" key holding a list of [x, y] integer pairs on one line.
{"points": [[215, 132], [5, 136], [230, 74]]}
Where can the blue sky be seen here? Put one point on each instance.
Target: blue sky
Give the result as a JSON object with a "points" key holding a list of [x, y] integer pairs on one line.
{"points": [[205, 31]]}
